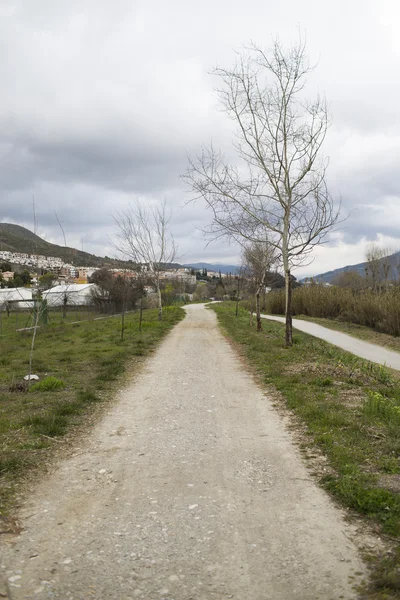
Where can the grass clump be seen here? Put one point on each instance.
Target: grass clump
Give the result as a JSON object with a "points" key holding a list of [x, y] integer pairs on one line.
{"points": [[49, 424], [385, 411], [48, 384]]}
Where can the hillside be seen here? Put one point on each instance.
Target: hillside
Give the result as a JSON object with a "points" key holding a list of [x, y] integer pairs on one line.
{"points": [[214, 267], [329, 276], [15, 238]]}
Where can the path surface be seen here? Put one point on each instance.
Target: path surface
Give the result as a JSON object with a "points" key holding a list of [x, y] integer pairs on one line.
{"points": [[189, 489], [372, 352]]}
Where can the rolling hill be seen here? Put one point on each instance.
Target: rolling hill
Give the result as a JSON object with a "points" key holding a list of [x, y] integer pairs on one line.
{"points": [[15, 238], [330, 276]]}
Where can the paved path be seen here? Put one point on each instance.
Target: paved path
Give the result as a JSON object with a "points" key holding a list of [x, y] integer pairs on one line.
{"points": [[189, 489], [372, 352]]}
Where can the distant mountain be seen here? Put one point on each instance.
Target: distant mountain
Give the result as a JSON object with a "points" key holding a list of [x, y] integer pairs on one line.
{"points": [[15, 238], [214, 267], [329, 276]]}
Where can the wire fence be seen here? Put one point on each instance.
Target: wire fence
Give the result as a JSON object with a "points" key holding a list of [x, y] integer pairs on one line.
{"points": [[16, 319]]}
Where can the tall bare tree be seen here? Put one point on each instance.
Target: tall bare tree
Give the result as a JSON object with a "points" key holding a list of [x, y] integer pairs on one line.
{"points": [[278, 188], [378, 266], [258, 259], [144, 236]]}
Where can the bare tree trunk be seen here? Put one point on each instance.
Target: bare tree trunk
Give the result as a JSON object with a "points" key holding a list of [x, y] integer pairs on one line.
{"points": [[288, 309], [35, 326], [141, 313], [123, 320], [65, 301], [159, 302], [258, 312], [237, 296], [251, 313]]}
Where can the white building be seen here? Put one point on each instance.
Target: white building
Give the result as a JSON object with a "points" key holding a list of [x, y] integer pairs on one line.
{"points": [[74, 294], [17, 297]]}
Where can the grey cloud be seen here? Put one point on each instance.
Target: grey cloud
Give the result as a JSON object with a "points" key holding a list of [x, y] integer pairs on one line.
{"points": [[101, 101]]}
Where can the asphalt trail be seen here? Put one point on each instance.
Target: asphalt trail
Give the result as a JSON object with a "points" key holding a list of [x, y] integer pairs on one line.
{"points": [[370, 352]]}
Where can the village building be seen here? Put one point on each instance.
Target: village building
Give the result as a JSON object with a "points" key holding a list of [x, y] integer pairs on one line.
{"points": [[7, 275]]}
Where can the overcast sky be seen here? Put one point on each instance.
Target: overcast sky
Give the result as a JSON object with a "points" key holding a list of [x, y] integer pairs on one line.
{"points": [[101, 102]]}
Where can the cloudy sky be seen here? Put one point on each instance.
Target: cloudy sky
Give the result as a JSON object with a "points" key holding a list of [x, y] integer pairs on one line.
{"points": [[102, 101]]}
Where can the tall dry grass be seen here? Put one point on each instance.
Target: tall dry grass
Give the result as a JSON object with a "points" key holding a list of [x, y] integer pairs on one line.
{"points": [[378, 310]]}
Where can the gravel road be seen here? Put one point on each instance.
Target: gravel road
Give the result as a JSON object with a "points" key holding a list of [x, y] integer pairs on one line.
{"points": [[371, 352], [190, 488]]}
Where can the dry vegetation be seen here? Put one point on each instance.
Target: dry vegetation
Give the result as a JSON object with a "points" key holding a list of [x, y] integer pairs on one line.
{"points": [[378, 310]]}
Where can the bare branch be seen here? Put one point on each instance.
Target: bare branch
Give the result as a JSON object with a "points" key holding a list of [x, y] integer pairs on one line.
{"points": [[62, 229]]}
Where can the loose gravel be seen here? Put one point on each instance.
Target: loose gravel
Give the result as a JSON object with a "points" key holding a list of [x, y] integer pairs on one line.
{"points": [[191, 488]]}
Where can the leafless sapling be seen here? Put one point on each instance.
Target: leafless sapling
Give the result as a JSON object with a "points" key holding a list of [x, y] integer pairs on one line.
{"points": [[258, 258], [145, 237]]}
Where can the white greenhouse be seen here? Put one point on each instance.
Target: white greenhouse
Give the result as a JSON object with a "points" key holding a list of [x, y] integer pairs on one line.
{"points": [[17, 297], [73, 294]]}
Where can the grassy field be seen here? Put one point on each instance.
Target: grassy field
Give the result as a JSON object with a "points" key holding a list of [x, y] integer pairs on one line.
{"points": [[77, 365], [351, 412], [22, 319]]}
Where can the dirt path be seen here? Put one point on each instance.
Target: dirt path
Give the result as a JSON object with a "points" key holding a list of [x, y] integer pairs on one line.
{"points": [[189, 489], [371, 352]]}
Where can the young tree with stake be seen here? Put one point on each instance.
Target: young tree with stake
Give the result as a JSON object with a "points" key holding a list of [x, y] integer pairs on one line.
{"points": [[258, 258], [278, 188]]}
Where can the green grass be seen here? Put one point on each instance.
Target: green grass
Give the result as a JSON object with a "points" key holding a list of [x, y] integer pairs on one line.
{"points": [[77, 365], [48, 384], [22, 319], [351, 409]]}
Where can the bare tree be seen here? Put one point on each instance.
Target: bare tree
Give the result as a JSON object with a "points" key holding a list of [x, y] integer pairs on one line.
{"points": [[144, 236], [278, 188], [351, 280], [258, 258], [378, 266]]}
